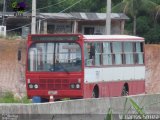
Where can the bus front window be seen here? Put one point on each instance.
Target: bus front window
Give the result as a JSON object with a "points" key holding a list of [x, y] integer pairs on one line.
{"points": [[54, 57]]}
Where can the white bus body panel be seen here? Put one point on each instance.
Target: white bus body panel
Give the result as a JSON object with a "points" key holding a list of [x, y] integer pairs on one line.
{"points": [[114, 74]]}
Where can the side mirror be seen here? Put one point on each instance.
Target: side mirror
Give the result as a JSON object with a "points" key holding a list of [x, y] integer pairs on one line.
{"points": [[19, 55]]}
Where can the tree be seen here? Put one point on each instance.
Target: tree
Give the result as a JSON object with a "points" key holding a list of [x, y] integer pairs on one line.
{"points": [[133, 7], [153, 35], [143, 25]]}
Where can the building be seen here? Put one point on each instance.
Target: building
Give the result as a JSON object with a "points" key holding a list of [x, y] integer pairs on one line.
{"points": [[85, 23]]}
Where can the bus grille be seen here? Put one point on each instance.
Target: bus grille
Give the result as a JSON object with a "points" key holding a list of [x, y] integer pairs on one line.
{"points": [[53, 84]]}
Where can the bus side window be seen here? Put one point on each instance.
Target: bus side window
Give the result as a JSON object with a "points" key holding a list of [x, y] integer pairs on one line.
{"points": [[107, 55], [92, 51], [117, 52], [98, 53], [89, 51], [128, 53], [138, 56]]}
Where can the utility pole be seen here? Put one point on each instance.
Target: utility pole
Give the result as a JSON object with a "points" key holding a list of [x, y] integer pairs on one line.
{"points": [[108, 17], [4, 11], [33, 25]]}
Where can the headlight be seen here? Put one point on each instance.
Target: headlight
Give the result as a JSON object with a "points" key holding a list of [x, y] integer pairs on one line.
{"points": [[36, 86], [30, 86], [77, 86]]}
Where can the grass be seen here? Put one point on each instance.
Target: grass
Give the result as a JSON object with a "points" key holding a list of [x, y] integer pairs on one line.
{"points": [[10, 37], [137, 110], [8, 97]]}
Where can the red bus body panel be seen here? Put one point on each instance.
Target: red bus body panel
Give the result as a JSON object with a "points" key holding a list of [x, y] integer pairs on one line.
{"points": [[59, 82], [113, 89]]}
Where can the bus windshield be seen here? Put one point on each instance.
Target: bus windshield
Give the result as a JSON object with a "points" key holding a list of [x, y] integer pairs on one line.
{"points": [[54, 57]]}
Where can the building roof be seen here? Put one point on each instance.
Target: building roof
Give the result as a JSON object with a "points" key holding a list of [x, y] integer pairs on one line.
{"points": [[83, 16], [98, 16], [55, 15], [72, 15]]}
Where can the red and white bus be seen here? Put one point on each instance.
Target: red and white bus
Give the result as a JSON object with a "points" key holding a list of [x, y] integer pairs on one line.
{"points": [[84, 66]]}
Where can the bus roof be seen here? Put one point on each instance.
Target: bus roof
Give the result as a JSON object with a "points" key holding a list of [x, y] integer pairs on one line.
{"points": [[112, 38]]}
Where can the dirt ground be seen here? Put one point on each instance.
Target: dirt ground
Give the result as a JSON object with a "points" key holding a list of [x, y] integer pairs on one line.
{"points": [[12, 72], [152, 61]]}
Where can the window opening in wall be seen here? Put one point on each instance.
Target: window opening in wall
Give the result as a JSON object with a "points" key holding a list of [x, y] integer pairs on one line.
{"points": [[89, 30]]}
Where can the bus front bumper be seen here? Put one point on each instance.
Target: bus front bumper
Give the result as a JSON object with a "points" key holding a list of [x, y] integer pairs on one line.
{"points": [[57, 94]]}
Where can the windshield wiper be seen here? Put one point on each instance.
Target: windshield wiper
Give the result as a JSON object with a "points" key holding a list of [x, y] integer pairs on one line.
{"points": [[62, 67]]}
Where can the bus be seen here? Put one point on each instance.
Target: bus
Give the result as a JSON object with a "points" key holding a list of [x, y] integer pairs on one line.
{"points": [[79, 66]]}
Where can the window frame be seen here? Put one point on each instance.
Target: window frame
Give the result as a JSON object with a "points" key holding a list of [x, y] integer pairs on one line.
{"points": [[123, 63], [55, 56]]}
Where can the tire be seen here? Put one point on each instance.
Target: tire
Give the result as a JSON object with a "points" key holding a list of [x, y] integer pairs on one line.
{"points": [[124, 91], [95, 92]]}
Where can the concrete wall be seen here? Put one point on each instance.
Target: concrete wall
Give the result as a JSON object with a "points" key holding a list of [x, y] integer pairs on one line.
{"points": [[88, 109]]}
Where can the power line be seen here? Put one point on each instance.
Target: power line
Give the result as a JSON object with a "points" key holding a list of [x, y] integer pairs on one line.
{"points": [[46, 18], [43, 7], [71, 6], [19, 27], [51, 5]]}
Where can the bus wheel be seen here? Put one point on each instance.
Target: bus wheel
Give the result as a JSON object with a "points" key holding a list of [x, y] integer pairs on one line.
{"points": [[125, 90], [95, 92]]}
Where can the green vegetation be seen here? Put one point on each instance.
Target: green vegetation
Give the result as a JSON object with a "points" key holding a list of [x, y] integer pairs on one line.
{"points": [[8, 97], [134, 8], [109, 115], [144, 14], [137, 110], [144, 18]]}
